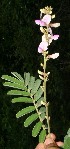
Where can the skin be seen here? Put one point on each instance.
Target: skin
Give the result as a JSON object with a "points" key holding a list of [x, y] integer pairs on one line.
{"points": [[50, 143]]}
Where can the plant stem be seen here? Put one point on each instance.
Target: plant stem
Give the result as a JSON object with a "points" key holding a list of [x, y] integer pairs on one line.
{"points": [[48, 120], [44, 76]]}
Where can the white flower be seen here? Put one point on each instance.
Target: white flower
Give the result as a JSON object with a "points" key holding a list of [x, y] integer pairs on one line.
{"points": [[53, 56]]}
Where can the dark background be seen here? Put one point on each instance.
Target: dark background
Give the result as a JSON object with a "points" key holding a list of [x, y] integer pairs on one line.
{"points": [[19, 40]]}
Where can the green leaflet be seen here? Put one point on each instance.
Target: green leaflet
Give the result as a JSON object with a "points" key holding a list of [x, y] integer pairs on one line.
{"points": [[30, 119], [36, 129], [22, 99], [42, 115], [68, 132], [12, 79], [18, 76], [25, 111], [27, 78], [67, 143], [36, 86], [42, 110], [42, 136], [38, 94], [18, 92], [38, 103], [67, 140], [31, 83], [14, 85]]}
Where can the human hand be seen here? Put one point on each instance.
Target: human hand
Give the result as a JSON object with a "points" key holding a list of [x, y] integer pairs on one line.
{"points": [[50, 143]]}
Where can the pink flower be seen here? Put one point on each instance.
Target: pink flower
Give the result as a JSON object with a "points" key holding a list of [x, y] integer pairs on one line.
{"points": [[43, 46], [45, 21], [39, 22], [53, 56], [55, 37]]}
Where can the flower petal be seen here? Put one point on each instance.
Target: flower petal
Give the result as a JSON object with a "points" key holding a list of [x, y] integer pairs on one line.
{"points": [[39, 22], [53, 56], [43, 46], [47, 19], [55, 37], [55, 25]]}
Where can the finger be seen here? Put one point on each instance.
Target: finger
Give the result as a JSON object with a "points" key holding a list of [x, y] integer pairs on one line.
{"points": [[40, 146], [60, 144], [51, 135], [48, 141]]}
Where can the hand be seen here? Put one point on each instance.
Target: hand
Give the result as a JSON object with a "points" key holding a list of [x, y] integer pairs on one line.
{"points": [[50, 143]]}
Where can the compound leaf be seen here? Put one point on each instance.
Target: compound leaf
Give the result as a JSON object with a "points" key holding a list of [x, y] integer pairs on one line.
{"points": [[36, 129], [22, 99], [42, 136], [25, 111], [30, 119]]}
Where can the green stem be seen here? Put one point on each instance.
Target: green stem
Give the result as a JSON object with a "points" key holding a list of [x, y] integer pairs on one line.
{"points": [[44, 76], [48, 120], [43, 126]]}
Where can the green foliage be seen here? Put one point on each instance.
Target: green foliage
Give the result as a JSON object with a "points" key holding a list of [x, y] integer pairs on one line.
{"points": [[42, 135], [31, 83], [36, 129], [36, 86], [12, 79], [22, 99], [28, 90], [30, 119], [18, 92], [25, 111], [38, 94], [67, 140]]}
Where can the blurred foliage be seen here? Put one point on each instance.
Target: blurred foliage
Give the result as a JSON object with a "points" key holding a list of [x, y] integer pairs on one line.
{"points": [[19, 40]]}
